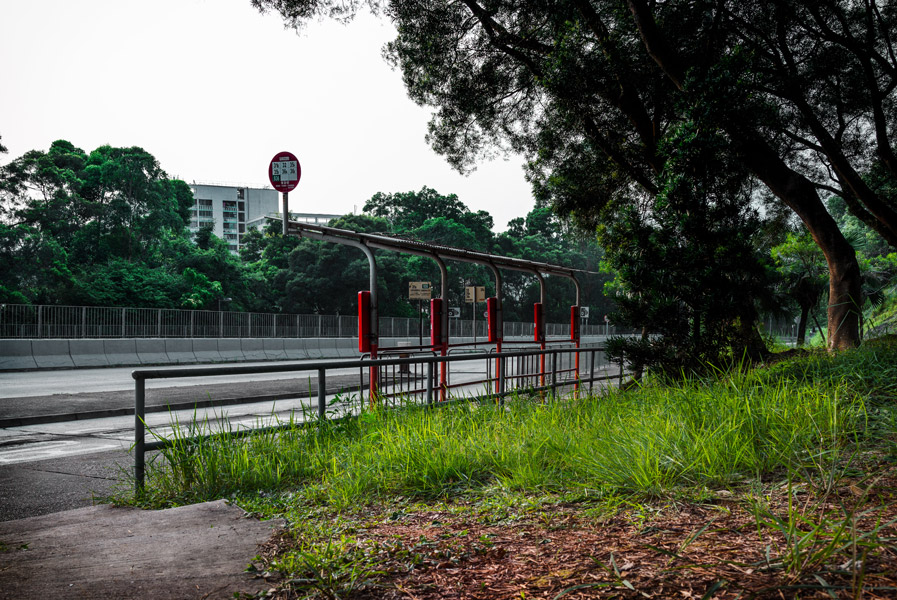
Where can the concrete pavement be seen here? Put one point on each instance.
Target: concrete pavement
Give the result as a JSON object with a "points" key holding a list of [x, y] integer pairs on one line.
{"points": [[196, 551]]}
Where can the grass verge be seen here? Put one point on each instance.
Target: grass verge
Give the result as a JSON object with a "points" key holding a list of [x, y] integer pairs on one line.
{"points": [[776, 463]]}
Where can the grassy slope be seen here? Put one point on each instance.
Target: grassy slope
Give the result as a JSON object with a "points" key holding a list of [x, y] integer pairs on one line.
{"points": [[818, 423]]}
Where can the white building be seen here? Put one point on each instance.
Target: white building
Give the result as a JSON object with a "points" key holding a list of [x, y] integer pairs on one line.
{"points": [[229, 208]]}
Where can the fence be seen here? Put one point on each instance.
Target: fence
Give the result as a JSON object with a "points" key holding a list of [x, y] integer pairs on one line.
{"points": [[523, 371], [22, 321]]}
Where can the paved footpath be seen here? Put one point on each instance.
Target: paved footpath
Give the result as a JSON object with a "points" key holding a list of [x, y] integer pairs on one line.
{"points": [[196, 551]]}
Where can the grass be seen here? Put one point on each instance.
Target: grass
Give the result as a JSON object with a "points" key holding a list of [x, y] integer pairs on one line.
{"points": [[645, 442], [803, 426]]}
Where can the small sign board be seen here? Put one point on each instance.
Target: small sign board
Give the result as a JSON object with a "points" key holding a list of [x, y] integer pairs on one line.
{"points": [[474, 293], [419, 290], [454, 312], [284, 172], [583, 312]]}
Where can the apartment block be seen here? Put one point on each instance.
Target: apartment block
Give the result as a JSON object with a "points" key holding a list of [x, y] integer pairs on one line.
{"points": [[229, 208]]}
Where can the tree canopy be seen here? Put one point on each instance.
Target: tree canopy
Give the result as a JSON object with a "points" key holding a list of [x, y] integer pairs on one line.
{"points": [[106, 228], [591, 91]]}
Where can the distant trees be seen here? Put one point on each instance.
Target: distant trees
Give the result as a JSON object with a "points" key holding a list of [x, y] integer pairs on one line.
{"points": [[106, 228], [311, 276]]}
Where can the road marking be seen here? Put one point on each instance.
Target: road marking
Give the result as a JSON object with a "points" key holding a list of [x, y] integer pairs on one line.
{"points": [[54, 449]]}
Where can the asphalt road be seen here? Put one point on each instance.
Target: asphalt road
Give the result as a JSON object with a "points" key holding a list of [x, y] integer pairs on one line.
{"points": [[65, 436]]}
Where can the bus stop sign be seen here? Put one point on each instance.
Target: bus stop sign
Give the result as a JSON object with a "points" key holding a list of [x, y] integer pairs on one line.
{"points": [[284, 172]]}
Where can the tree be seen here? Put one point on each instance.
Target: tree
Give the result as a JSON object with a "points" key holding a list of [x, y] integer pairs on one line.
{"points": [[589, 90], [105, 228]]}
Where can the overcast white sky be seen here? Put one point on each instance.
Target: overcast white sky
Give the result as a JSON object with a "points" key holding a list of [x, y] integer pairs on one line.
{"points": [[214, 89]]}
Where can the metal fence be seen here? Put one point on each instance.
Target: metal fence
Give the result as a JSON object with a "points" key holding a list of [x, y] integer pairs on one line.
{"points": [[23, 321], [402, 380]]}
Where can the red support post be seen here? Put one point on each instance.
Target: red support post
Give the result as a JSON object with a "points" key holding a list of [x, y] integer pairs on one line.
{"points": [[493, 331], [539, 335], [575, 336], [366, 341], [438, 339]]}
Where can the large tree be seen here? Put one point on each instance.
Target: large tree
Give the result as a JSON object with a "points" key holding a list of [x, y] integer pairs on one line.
{"points": [[589, 90]]}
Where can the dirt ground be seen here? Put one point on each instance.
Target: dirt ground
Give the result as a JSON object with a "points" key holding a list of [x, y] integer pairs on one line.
{"points": [[708, 550]]}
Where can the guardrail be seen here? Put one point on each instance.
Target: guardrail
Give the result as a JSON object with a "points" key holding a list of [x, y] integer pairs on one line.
{"points": [[516, 372]]}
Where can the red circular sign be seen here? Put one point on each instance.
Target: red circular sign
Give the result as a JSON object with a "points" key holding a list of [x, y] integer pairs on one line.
{"points": [[284, 171]]}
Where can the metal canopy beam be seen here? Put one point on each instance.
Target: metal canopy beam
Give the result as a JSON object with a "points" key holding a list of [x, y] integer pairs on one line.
{"points": [[396, 244]]}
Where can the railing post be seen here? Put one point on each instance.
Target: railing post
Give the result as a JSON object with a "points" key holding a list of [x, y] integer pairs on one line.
{"points": [[592, 371], [139, 434], [430, 383], [192, 316], [159, 322], [274, 326], [319, 324], [502, 367], [123, 322], [554, 375], [322, 393]]}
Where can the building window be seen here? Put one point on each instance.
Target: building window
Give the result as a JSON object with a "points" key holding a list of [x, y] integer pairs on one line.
{"points": [[240, 193], [242, 206], [203, 202]]}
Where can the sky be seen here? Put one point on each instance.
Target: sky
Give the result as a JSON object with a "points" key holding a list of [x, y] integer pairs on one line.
{"points": [[214, 89]]}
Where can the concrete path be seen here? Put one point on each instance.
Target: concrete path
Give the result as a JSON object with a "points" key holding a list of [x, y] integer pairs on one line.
{"points": [[196, 551]]}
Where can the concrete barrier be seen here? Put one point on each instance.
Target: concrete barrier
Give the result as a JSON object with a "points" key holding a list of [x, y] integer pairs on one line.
{"points": [[229, 350], [313, 348], [16, 355], [180, 351], [61, 354], [274, 349], [51, 354], [346, 348], [253, 349], [88, 353], [206, 350], [151, 351], [121, 353], [294, 349]]}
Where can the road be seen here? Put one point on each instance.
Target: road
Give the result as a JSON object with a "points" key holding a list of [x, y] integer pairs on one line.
{"points": [[64, 463]]}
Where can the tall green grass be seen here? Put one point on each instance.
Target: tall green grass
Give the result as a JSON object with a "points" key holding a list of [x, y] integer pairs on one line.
{"points": [[647, 440]]}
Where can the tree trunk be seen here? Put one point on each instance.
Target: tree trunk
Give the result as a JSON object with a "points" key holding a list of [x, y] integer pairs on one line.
{"points": [[799, 193]]}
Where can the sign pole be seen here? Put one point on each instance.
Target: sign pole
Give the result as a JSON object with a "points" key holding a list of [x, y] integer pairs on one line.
{"points": [[284, 173], [420, 323], [286, 212]]}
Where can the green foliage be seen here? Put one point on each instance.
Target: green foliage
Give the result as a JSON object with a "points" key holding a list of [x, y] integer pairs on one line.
{"points": [[302, 273], [684, 261], [106, 228]]}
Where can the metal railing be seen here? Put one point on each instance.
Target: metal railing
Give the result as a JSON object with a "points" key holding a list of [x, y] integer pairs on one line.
{"points": [[416, 381], [23, 321]]}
